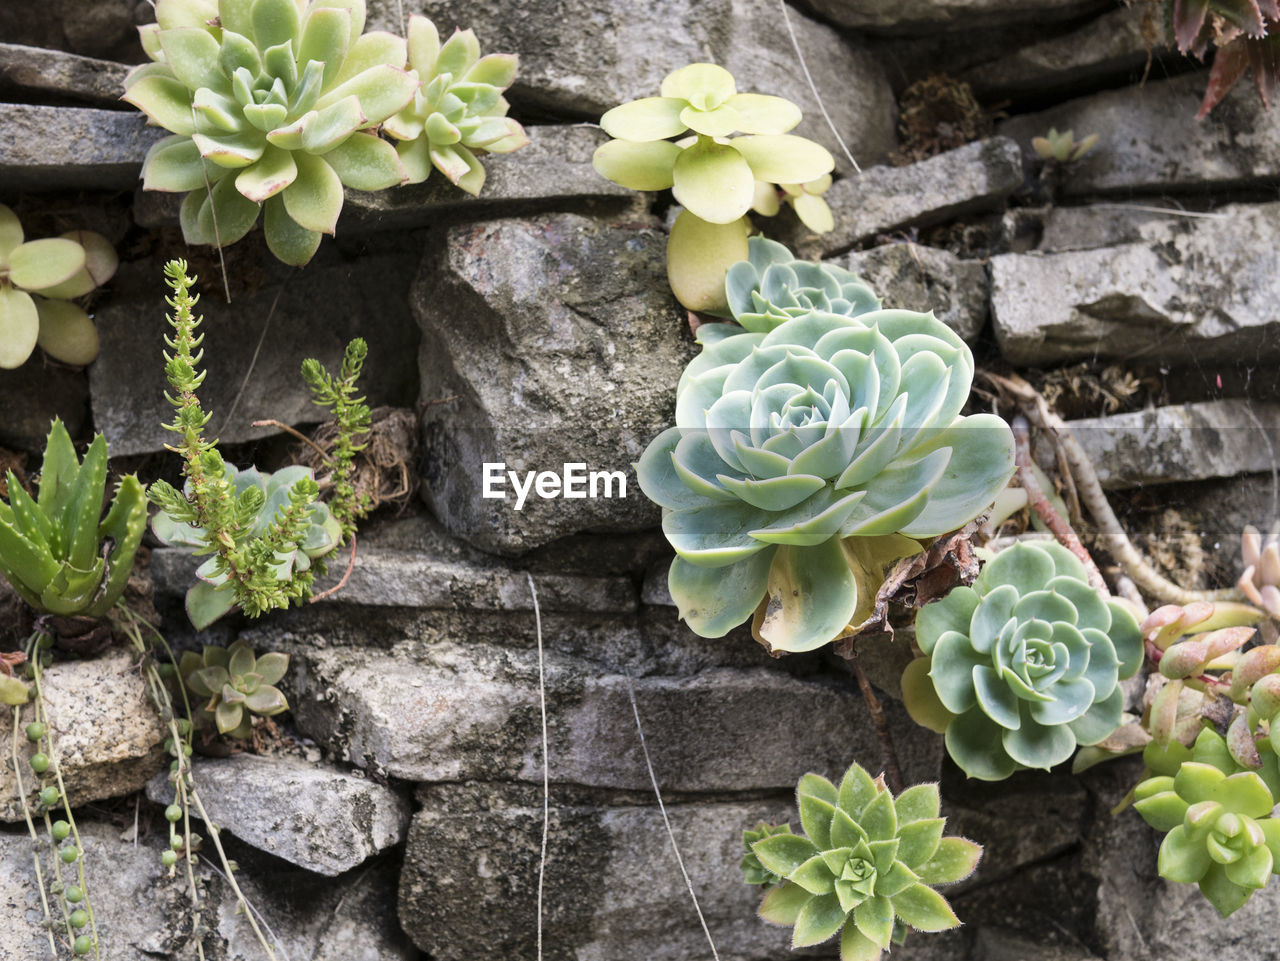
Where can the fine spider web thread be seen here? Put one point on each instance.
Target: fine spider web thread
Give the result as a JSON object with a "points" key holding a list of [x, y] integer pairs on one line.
{"points": [[546, 768], [786, 18], [675, 848]]}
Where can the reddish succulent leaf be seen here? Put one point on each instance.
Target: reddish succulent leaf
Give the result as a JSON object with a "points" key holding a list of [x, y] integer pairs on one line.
{"points": [[1188, 18], [1245, 15], [1228, 66], [1264, 61]]}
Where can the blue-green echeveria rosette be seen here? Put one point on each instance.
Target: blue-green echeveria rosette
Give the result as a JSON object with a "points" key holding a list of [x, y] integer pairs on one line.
{"points": [[1221, 835], [792, 440], [771, 286], [1024, 665], [272, 106], [866, 868]]}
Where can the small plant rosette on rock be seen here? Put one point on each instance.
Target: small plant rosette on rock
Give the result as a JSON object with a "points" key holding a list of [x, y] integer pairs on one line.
{"points": [[236, 685], [866, 868], [1024, 665]]}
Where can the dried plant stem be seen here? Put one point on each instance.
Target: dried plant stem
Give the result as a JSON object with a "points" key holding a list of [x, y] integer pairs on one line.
{"points": [[295, 433], [888, 756], [1039, 502], [346, 575], [1110, 533]]}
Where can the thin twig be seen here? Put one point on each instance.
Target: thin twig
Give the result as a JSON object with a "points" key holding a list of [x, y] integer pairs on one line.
{"points": [[546, 764], [295, 433], [786, 18], [1039, 502], [653, 779], [253, 361], [346, 575], [888, 756]]}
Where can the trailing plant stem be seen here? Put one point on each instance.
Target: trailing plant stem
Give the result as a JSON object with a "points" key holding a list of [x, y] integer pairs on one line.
{"points": [[888, 755]]}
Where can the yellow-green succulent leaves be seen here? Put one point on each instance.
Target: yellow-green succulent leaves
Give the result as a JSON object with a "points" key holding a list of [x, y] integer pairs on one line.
{"points": [[866, 870], [1027, 662], [805, 199], [1221, 835], [458, 112], [794, 442], [58, 552], [712, 173], [1062, 147], [290, 569], [272, 105], [236, 685], [38, 279], [699, 256]]}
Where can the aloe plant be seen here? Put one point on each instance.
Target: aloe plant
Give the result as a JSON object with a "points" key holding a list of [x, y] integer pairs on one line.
{"points": [[866, 869], [58, 552], [272, 106], [458, 111], [799, 449], [39, 279], [236, 686], [1024, 665]]}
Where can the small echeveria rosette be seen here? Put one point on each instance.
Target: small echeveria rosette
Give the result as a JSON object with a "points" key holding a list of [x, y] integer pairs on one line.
{"points": [[459, 110], [866, 868], [793, 443], [1024, 665], [772, 286], [1221, 835], [236, 686]]}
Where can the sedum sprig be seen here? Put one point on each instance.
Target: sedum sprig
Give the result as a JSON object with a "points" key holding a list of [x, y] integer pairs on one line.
{"points": [[255, 564], [352, 416]]}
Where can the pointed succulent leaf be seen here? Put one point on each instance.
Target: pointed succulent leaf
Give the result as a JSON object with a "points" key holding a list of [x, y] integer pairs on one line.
{"points": [[819, 919], [781, 905], [783, 853]]}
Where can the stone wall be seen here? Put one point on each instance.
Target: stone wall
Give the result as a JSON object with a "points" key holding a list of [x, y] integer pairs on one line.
{"points": [[533, 326]]}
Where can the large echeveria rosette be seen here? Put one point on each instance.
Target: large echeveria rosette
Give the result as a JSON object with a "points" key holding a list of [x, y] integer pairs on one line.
{"points": [[272, 105], [867, 867], [1026, 663], [789, 443]]}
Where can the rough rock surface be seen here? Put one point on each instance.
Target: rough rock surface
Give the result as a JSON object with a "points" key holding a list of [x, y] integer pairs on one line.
{"points": [[1195, 290], [1111, 47], [104, 28], [924, 15], [927, 278], [143, 916], [1149, 140], [315, 816], [33, 394], [451, 712], [564, 355], [106, 732], [56, 148], [582, 57], [268, 329], [1220, 438], [40, 72], [884, 199]]}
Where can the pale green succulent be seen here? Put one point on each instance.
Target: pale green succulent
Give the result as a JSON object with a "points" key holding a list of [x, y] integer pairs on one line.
{"points": [[713, 173], [1062, 147], [805, 199], [236, 684], [272, 105], [458, 111], [38, 280], [263, 498], [772, 286], [1024, 665], [867, 867], [798, 448]]}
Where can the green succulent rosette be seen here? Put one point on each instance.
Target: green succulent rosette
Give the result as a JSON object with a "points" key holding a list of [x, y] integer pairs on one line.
{"points": [[1221, 835], [772, 286], [1024, 665], [753, 872], [211, 596], [792, 445], [459, 110], [272, 105], [236, 685], [867, 867]]}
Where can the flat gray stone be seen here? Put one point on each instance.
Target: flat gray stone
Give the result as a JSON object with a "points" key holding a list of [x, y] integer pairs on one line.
{"points": [[104, 28], [107, 734], [560, 342], [579, 58], [899, 16], [1106, 49], [72, 148], [384, 578], [920, 278], [41, 72], [1149, 140], [451, 712], [142, 915], [33, 394], [1219, 438], [316, 816], [613, 891], [291, 315], [977, 176], [1193, 291]]}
